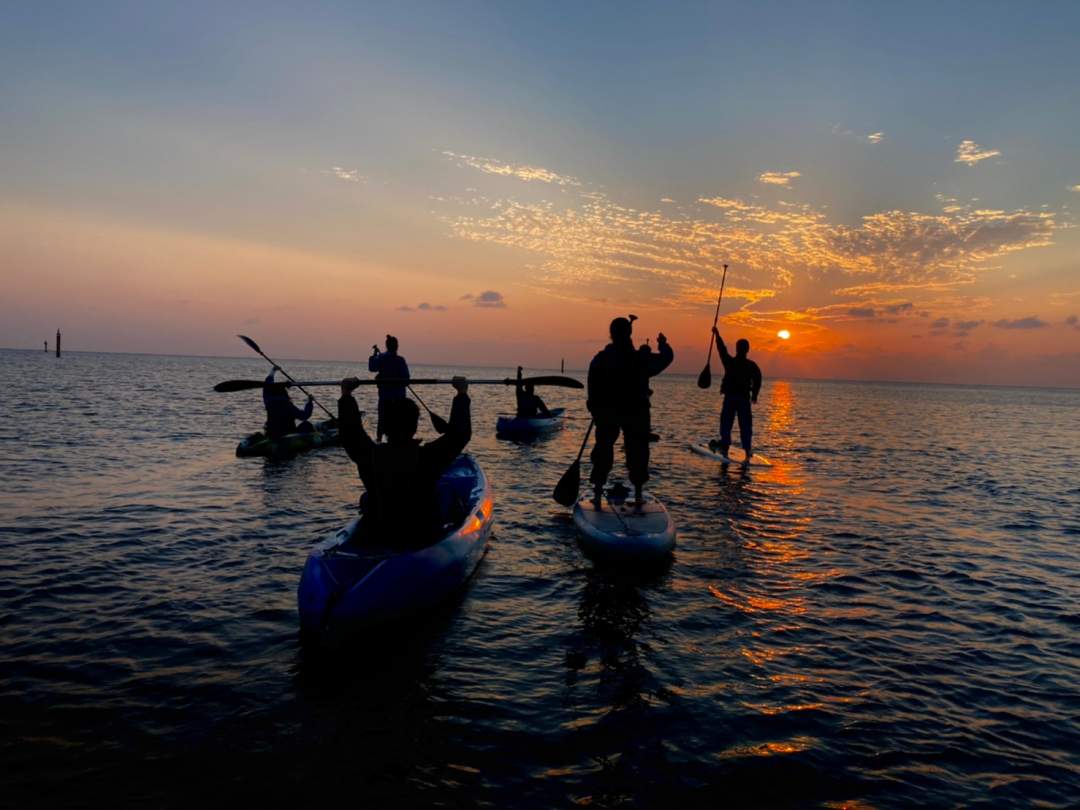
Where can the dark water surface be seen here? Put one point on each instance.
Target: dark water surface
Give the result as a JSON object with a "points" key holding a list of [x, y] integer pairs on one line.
{"points": [[888, 617]]}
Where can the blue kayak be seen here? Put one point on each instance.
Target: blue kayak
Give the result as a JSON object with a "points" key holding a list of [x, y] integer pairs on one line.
{"points": [[349, 585], [516, 427]]}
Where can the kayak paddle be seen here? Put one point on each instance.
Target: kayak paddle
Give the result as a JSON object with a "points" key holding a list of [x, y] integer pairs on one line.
{"points": [[229, 386], [704, 379], [255, 346], [437, 422], [566, 491]]}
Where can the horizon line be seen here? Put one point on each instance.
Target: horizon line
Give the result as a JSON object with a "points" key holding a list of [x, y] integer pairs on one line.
{"points": [[689, 375]]}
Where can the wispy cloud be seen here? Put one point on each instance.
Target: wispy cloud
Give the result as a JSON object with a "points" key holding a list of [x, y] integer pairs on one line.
{"points": [[872, 137], [593, 247], [970, 153], [778, 178], [520, 171], [1030, 322], [348, 175]]}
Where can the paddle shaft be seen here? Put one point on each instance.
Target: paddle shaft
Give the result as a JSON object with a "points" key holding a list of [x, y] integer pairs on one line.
{"points": [[245, 385], [716, 317], [288, 376]]}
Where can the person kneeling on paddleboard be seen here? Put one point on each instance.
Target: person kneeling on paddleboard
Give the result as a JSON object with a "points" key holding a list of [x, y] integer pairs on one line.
{"points": [[281, 414], [742, 382], [619, 401], [400, 502]]}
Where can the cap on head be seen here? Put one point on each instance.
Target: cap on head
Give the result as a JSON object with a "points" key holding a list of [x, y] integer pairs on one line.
{"points": [[742, 347], [391, 343], [400, 419], [621, 329]]}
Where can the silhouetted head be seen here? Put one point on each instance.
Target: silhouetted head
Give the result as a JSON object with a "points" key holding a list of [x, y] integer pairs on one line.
{"points": [[400, 419], [742, 347], [621, 329], [391, 343], [529, 388], [277, 389]]}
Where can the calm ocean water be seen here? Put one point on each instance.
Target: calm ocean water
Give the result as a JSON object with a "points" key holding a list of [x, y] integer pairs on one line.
{"points": [[888, 617]]}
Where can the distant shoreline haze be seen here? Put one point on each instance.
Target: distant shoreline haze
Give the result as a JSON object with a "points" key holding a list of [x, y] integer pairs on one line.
{"points": [[690, 376]]}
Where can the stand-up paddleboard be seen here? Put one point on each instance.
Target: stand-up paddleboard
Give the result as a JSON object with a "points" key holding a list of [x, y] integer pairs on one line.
{"points": [[736, 455], [620, 532]]}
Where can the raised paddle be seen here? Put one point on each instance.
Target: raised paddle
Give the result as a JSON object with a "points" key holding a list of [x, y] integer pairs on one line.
{"points": [[566, 491], [437, 422], [255, 346], [704, 379], [558, 382]]}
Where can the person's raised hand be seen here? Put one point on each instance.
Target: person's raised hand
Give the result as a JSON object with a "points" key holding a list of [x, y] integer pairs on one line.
{"points": [[661, 339], [348, 385], [461, 385], [716, 331]]}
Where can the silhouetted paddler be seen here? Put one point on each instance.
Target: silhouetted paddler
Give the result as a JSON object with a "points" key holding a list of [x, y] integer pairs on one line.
{"points": [[619, 402], [742, 382], [281, 414], [388, 365], [529, 405], [400, 500]]}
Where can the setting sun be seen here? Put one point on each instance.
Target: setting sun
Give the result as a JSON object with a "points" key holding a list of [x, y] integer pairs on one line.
{"points": [[783, 334]]}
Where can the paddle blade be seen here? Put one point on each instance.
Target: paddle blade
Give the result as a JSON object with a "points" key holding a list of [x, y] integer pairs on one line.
{"points": [[566, 491], [558, 382], [237, 385], [704, 379], [440, 424], [250, 343]]}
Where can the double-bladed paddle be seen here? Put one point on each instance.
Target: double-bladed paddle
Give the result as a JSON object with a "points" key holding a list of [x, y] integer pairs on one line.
{"points": [[704, 379], [566, 491], [255, 346], [556, 381]]}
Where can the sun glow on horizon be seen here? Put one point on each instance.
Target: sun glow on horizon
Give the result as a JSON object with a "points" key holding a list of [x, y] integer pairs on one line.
{"points": [[783, 334]]}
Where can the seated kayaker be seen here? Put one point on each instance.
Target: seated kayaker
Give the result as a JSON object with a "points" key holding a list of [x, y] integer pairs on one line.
{"points": [[529, 405], [400, 476], [281, 414]]}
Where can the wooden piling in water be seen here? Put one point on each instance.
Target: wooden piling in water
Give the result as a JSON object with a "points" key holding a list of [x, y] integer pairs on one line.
{"points": [[57, 343]]}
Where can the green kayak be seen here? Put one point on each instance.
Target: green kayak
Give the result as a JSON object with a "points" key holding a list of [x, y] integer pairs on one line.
{"points": [[325, 434]]}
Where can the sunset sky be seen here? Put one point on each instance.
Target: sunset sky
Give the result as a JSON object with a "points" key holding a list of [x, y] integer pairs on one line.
{"points": [[895, 184]]}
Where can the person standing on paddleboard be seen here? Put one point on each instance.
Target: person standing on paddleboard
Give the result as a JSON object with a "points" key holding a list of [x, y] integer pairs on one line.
{"points": [[742, 382], [400, 502], [388, 365], [619, 401]]}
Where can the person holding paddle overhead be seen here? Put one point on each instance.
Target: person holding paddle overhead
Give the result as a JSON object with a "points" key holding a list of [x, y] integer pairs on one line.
{"points": [[742, 382], [618, 399], [388, 365], [281, 414], [400, 503]]}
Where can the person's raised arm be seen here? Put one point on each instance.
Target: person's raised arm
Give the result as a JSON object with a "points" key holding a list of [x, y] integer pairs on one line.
{"points": [[443, 450], [266, 386], [663, 356], [720, 347], [374, 363], [351, 425], [303, 414]]}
